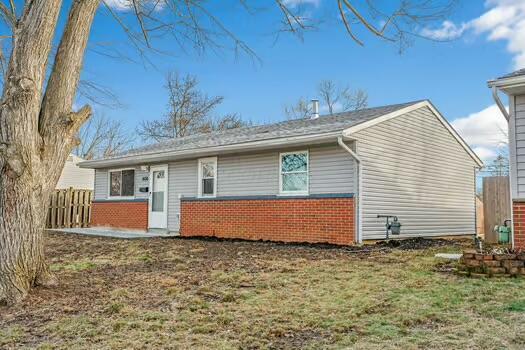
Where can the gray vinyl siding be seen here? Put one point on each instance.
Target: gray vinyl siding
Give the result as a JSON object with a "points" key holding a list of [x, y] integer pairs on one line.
{"points": [[415, 169], [519, 145], [102, 185], [182, 182], [251, 174], [331, 171]]}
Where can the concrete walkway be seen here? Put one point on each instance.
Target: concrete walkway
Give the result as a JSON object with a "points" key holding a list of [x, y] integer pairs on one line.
{"points": [[106, 232], [448, 256]]}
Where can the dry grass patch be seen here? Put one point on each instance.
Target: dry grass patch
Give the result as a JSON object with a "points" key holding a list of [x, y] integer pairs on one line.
{"points": [[180, 294]]}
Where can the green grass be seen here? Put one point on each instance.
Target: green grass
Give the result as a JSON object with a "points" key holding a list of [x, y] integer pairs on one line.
{"points": [[74, 266], [223, 295]]}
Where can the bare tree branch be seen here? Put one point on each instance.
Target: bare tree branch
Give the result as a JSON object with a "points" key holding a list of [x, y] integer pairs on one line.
{"points": [[102, 137], [63, 81], [399, 24], [334, 98], [189, 112], [8, 15], [98, 94], [302, 109]]}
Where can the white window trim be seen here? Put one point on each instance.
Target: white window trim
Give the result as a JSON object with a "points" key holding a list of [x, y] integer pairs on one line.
{"points": [[199, 186], [109, 184], [294, 193]]}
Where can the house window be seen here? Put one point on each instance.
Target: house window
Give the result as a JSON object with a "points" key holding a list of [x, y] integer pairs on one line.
{"points": [[294, 173], [208, 177], [122, 183]]}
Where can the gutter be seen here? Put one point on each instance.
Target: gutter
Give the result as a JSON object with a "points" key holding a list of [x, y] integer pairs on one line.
{"points": [[196, 152], [359, 187]]}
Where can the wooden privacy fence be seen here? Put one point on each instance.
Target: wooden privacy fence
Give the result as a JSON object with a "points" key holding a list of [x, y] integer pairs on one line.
{"points": [[496, 204], [69, 208]]}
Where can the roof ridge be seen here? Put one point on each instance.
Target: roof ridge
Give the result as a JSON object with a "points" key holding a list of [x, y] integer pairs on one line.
{"points": [[290, 122]]}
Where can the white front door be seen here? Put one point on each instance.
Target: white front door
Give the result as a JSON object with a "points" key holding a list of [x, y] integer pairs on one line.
{"points": [[158, 199]]}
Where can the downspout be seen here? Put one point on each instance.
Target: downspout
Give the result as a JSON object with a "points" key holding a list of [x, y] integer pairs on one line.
{"points": [[359, 182], [501, 107]]}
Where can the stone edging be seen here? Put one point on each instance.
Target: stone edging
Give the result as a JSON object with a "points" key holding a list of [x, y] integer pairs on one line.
{"points": [[477, 264]]}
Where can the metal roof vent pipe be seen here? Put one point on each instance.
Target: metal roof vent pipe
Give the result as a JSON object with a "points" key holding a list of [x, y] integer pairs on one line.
{"points": [[315, 109]]}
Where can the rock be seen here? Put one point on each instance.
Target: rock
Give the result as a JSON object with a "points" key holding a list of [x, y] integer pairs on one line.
{"points": [[492, 263], [504, 256], [481, 256], [496, 271], [473, 262], [512, 263]]}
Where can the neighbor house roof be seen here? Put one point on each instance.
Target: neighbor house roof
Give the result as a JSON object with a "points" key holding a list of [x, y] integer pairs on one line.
{"points": [[292, 132]]}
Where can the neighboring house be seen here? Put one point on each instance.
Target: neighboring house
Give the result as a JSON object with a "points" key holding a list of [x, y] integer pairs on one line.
{"points": [[324, 179], [514, 86], [74, 176]]}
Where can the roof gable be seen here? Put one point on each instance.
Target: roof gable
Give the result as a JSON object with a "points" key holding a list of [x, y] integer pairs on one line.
{"points": [[353, 129]]}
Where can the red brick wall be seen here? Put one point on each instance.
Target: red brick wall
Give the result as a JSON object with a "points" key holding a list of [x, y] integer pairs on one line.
{"points": [[125, 214], [319, 220], [518, 216]]}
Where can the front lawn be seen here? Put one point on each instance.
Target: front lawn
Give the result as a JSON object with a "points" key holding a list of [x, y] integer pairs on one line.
{"points": [[182, 294]]}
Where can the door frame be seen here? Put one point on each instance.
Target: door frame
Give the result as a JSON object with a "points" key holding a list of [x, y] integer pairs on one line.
{"points": [[153, 168]]}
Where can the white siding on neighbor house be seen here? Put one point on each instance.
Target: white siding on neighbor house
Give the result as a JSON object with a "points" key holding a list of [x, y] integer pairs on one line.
{"points": [[517, 142], [415, 169], [74, 176], [102, 183], [331, 171]]}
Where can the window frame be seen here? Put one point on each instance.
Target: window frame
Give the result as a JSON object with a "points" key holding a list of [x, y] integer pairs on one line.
{"points": [[294, 193], [109, 183], [199, 177]]}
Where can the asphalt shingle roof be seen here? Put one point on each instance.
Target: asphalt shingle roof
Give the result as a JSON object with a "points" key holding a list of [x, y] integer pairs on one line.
{"points": [[513, 74], [300, 127]]}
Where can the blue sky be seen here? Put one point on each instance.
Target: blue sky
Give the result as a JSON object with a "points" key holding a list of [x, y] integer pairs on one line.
{"points": [[451, 74]]}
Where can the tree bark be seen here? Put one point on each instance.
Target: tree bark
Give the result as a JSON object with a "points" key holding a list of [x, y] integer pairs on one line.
{"points": [[36, 135]]}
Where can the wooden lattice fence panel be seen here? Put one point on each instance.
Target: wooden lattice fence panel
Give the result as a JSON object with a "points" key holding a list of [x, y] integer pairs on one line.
{"points": [[69, 208]]}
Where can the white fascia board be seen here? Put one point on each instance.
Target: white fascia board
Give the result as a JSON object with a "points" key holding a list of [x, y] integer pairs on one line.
{"points": [[171, 155], [505, 82], [352, 130], [509, 85]]}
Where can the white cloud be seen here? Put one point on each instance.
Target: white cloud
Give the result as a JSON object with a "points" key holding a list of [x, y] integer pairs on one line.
{"points": [[485, 154], [125, 5], [503, 20], [295, 3], [485, 131], [121, 5], [447, 31]]}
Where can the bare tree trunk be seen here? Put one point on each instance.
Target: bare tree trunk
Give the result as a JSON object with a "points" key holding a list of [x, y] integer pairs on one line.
{"points": [[36, 135]]}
